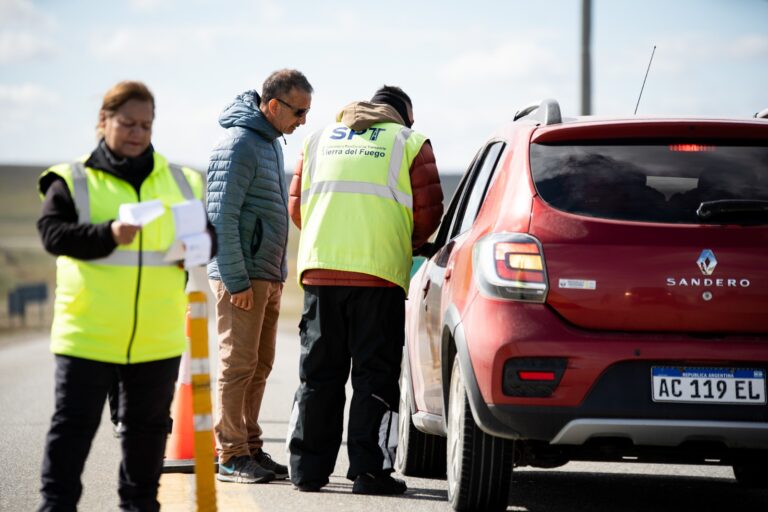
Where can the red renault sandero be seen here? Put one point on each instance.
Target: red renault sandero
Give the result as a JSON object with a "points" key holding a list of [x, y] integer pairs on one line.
{"points": [[597, 290]]}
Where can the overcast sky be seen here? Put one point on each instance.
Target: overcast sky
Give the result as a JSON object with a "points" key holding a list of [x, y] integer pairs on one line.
{"points": [[468, 66]]}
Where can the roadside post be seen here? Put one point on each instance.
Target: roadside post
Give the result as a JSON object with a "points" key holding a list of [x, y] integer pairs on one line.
{"points": [[205, 489]]}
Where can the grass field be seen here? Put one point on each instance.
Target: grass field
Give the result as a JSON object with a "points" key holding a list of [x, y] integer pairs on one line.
{"points": [[23, 260], [19, 201]]}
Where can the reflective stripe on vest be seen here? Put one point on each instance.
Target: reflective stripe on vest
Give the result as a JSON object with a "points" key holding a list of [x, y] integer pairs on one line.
{"points": [[122, 257], [131, 259], [357, 201], [360, 187], [82, 197], [181, 182], [388, 191]]}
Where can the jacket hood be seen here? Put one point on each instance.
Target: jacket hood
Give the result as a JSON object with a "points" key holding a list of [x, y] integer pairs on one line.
{"points": [[361, 115], [244, 112]]}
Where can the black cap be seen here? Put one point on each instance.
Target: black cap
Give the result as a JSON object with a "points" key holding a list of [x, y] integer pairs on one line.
{"points": [[397, 99]]}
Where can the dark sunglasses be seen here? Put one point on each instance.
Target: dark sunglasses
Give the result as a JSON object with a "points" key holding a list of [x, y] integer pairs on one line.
{"points": [[298, 112]]}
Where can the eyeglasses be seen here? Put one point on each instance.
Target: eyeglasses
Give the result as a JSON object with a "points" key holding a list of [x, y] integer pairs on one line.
{"points": [[298, 112]]}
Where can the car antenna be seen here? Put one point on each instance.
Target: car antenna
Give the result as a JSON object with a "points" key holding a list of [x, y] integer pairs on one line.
{"points": [[644, 79]]}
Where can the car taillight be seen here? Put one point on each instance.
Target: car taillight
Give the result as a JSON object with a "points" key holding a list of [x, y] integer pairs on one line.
{"points": [[510, 266]]}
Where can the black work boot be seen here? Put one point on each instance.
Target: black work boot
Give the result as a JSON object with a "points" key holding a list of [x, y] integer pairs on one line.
{"points": [[265, 460], [380, 484]]}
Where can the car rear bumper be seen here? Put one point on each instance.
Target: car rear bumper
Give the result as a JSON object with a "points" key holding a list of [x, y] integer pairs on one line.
{"points": [[619, 407], [606, 392]]}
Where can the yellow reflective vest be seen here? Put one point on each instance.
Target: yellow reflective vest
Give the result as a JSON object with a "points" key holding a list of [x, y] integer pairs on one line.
{"points": [[128, 307], [356, 201]]}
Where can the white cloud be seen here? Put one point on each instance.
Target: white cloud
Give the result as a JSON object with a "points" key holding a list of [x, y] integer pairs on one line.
{"points": [[137, 44], [151, 43], [688, 76], [510, 60], [23, 13], [687, 52], [26, 107], [749, 47], [21, 27], [184, 130], [261, 24], [150, 5], [23, 46], [270, 11], [26, 94]]}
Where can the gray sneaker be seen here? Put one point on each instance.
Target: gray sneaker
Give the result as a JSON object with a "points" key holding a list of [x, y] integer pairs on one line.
{"points": [[244, 470], [265, 460]]}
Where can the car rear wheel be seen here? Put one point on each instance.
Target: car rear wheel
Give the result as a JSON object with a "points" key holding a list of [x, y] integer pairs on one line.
{"points": [[418, 454], [751, 474], [479, 464]]}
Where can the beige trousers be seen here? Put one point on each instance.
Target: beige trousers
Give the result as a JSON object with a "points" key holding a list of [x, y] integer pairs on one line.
{"points": [[246, 353]]}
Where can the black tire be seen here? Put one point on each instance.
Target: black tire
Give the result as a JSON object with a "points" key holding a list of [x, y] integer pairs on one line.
{"points": [[418, 454], [751, 474], [479, 464]]}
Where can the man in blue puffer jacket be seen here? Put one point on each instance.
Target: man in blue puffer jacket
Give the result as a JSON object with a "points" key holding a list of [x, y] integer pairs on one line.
{"points": [[248, 206]]}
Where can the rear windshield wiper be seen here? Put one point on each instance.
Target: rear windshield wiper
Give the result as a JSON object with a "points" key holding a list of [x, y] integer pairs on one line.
{"points": [[737, 210]]}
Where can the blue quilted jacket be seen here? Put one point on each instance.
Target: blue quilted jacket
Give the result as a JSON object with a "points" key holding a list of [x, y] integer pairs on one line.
{"points": [[248, 198]]}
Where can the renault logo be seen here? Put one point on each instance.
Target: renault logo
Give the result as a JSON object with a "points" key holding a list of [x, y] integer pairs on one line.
{"points": [[707, 262]]}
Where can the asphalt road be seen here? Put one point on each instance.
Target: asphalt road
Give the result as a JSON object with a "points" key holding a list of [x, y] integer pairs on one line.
{"points": [[26, 391]]}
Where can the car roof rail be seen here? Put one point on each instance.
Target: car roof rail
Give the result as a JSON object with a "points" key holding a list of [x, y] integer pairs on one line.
{"points": [[547, 111], [763, 114]]}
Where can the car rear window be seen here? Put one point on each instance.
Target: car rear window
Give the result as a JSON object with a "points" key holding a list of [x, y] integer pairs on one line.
{"points": [[656, 181]]}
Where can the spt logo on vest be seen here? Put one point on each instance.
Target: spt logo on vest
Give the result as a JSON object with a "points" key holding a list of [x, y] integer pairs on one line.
{"points": [[342, 132]]}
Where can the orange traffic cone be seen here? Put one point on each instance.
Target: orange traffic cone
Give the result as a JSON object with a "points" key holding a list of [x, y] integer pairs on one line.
{"points": [[180, 448]]}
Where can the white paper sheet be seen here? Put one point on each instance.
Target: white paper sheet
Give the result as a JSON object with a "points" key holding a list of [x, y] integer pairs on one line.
{"points": [[140, 214], [197, 249], [192, 244], [189, 218]]}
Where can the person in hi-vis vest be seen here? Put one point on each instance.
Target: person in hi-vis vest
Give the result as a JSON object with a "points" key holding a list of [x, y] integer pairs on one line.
{"points": [[120, 307], [365, 194]]}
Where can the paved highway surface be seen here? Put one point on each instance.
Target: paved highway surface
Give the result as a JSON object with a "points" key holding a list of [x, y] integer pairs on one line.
{"points": [[26, 391]]}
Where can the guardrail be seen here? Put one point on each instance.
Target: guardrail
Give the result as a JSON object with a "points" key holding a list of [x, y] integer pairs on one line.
{"points": [[23, 295]]}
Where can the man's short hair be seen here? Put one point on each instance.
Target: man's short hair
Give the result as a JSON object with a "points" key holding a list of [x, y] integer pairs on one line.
{"points": [[281, 82]]}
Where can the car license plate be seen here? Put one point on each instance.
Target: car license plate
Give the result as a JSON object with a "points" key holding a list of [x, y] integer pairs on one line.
{"points": [[708, 385]]}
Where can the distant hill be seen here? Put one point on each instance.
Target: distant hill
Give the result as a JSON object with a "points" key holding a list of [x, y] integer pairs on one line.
{"points": [[19, 201], [22, 258], [20, 204]]}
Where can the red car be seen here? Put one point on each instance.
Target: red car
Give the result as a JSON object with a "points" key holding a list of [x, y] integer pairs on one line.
{"points": [[597, 290]]}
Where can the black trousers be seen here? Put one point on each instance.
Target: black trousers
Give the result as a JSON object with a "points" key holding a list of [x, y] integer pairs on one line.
{"points": [[145, 394], [345, 327]]}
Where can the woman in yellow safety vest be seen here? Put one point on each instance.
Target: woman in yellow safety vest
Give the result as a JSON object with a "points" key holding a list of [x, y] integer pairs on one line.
{"points": [[119, 309]]}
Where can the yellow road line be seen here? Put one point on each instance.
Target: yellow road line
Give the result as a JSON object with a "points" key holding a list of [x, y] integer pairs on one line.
{"points": [[177, 494]]}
